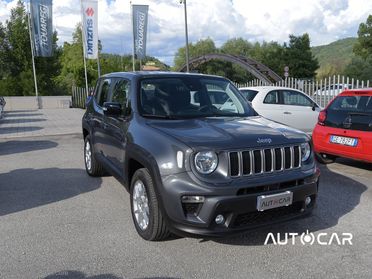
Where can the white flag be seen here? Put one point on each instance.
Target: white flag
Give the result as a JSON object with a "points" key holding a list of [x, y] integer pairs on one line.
{"points": [[89, 10]]}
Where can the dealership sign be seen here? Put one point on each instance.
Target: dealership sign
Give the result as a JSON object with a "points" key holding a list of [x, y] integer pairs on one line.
{"points": [[90, 28], [42, 27], [309, 238], [140, 15]]}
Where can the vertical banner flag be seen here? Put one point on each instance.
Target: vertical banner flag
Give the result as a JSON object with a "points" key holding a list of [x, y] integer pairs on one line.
{"points": [[42, 27], [90, 28], [140, 15]]}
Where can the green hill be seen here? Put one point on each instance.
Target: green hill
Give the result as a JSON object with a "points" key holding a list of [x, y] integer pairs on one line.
{"points": [[334, 57]]}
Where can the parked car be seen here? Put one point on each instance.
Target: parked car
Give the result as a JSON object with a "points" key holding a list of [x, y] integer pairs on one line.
{"points": [[332, 89], [190, 167], [344, 127], [285, 105]]}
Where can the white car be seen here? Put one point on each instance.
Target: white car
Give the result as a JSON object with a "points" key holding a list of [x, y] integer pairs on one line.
{"points": [[285, 105], [332, 90]]}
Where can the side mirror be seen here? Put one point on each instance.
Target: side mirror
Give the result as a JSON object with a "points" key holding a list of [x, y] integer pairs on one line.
{"points": [[314, 107], [112, 108]]}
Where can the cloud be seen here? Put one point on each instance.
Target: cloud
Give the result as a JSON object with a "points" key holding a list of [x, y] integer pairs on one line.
{"points": [[269, 20]]}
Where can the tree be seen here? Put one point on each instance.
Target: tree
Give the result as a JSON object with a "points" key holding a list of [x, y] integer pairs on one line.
{"points": [[15, 55], [272, 55], [72, 71], [363, 47], [16, 76], [199, 48], [237, 46], [361, 66], [298, 57]]}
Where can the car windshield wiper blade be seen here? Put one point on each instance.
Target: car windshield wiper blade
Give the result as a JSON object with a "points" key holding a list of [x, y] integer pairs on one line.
{"points": [[360, 113], [225, 115], [157, 116]]}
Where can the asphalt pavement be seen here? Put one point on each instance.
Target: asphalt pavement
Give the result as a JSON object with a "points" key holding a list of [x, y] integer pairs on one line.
{"points": [[57, 222]]}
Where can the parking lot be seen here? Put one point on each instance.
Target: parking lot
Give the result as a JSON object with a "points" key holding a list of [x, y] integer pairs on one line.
{"points": [[57, 222]]}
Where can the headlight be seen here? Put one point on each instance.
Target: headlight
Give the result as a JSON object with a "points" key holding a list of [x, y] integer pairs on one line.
{"points": [[206, 162], [305, 151]]}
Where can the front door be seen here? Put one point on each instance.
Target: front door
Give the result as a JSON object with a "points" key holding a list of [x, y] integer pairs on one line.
{"points": [[299, 111], [116, 126], [97, 120], [271, 108]]}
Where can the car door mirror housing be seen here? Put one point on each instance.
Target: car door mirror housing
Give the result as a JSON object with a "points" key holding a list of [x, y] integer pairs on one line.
{"points": [[112, 108]]}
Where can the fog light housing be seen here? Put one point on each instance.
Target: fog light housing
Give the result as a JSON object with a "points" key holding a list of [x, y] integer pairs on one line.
{"points": [[219, 219], [192, 199], [191, 205], [308, 201]]}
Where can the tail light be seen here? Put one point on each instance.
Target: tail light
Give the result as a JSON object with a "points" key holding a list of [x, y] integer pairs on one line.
{"points": [[322, 117]]}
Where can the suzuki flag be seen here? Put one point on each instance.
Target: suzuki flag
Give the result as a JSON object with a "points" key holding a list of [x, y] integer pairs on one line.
{"points": [[42, 27], [140, 14], [89, 9]]}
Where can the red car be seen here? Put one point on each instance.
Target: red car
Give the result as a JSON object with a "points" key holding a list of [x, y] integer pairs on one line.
{"points": [[344, 128]]}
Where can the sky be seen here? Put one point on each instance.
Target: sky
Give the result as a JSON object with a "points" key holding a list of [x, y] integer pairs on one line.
{"points": [[264, 20]]}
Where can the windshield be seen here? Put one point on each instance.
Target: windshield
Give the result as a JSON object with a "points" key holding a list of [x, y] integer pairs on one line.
{"points": [[360, 104], [191, 97], [249, 94]]}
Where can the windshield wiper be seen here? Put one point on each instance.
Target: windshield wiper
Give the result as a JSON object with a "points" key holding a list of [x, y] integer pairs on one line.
{"points": [[157, 116], [225, 115], [360, 113]]}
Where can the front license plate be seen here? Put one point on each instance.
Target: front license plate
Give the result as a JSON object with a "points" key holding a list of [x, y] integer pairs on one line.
{"points": [[344, 140], [273, 201]]}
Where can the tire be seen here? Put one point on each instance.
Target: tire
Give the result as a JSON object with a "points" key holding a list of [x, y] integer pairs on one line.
{"points": [[323, 158], [94, 168], [141, 193]]}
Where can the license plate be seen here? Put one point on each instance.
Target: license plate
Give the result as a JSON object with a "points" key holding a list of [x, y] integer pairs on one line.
{"points": [[273, 201], [344, 140]]}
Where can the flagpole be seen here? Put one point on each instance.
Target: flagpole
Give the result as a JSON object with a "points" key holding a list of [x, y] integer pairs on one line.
{"points": [[83, 39], [133, 62], [98, 64], [32, 54]]}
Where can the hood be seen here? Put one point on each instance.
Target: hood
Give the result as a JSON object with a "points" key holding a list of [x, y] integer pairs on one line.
{"points": [[229, 133]]}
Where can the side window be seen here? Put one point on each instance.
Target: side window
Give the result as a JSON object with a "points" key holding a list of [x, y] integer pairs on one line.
{"points": [[103, 92], [272, 98], [294, 98], [120, 92]]}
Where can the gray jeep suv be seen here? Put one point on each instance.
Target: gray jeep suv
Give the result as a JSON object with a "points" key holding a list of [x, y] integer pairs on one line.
{"points": [[195, 157]]}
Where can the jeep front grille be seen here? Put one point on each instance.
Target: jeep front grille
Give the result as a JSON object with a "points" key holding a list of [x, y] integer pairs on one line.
{"points": [[260, 161]]}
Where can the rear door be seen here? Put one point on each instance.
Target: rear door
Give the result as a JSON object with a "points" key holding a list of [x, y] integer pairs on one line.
{"points": [[299, 111], [116, 127]]}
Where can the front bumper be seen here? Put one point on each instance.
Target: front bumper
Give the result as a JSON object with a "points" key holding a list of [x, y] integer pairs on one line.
{"points": [[237, 205]]}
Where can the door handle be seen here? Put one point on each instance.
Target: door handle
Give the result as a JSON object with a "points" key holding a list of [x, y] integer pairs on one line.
{"points": [[287, 112]]}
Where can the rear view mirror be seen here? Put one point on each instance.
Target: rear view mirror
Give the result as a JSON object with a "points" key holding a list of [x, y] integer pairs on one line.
{"points": [[112, 108]]}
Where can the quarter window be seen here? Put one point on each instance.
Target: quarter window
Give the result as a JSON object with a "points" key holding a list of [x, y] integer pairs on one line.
{"points": [[104, 91]]}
